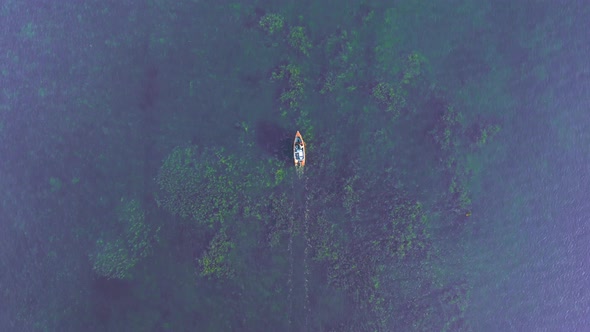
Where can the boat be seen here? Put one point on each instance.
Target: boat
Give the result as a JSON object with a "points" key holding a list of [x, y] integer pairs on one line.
{"points": [[299, 150]]}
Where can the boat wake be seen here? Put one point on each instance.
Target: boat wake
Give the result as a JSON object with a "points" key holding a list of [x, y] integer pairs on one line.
{"points": [[291, 262], [299, 152], [306, 250], [306, 272]]}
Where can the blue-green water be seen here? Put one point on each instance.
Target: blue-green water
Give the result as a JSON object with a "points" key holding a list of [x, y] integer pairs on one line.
{"points": [[147, 181]]}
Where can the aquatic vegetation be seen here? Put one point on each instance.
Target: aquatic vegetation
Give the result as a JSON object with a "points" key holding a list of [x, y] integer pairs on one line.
{"points": [[458, 143], [486, 133], [329, 84], [299, 40], [391, 98], [364, 236], [324, 238], [215, 261], [272, 23], [179, 181], [351, 195], [449, 132], [389, 43], [55, 184], [344, 53], [279, 219], [409, 229], [441, 309], [217, 190], [115, 258], [413, 67], [279, 176], [340, 48], [293, 93], [370, 223], [450, 136], [305, 123], [209, 185], [394, 224], [457, 189], [201, 184]]}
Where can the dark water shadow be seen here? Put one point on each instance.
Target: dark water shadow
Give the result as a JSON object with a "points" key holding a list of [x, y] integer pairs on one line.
{"points": [[108, 293], [274, 140]]}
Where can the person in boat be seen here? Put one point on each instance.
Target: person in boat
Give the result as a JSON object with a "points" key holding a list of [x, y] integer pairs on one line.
{"points": [[299, 151]]}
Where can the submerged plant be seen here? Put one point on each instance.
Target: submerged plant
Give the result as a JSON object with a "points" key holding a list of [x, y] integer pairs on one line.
{"points": [[390, 97], [115, 258], [200, 184], [413, 67], [294, 92], [215, 261], [271, 23], [299, 40]]}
